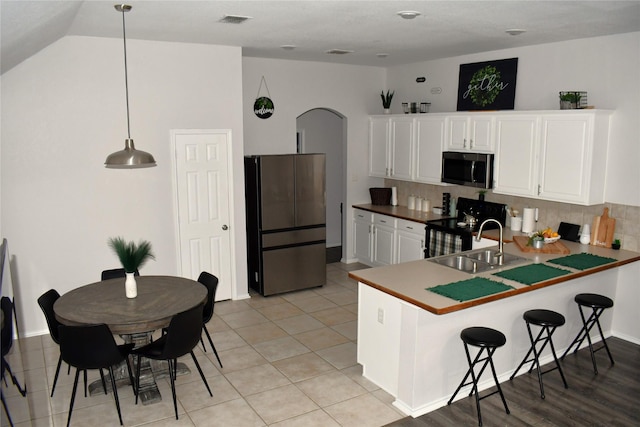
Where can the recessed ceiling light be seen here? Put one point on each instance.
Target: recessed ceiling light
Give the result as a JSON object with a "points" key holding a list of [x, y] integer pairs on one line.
{"points": [[408, 14], [234, 19], [515, 31], [288, 46], [338, 51], [382, 55]]}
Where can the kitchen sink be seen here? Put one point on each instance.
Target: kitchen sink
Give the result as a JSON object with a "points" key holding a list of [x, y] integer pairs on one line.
{"points": [[478, 261]]}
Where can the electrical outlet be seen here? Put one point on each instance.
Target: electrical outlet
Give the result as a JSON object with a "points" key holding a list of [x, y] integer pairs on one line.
{"points": [[380, 315]]}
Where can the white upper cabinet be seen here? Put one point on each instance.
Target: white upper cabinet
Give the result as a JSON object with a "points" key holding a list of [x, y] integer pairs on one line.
{"points": [[470, 133], [553, 156], [391, 147], [429, 140], [573, 157], [379, 135], [401, 158], [515, 166]]}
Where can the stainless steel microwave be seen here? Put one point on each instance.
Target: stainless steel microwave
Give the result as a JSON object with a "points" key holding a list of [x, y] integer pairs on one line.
{"points": [[470, 169]]}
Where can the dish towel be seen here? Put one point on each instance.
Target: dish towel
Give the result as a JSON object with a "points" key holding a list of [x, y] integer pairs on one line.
{"points": [[582, 261], [465, 290], [530, 274]]}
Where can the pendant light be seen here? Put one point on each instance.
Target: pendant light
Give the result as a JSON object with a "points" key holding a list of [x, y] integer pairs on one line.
{"points": [[129, 157]]}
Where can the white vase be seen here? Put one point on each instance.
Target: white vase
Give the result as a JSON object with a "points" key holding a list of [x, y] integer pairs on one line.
{"points": [[130, 286]]}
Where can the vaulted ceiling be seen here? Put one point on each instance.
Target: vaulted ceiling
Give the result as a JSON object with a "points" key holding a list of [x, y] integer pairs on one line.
{"points": [[372, 31]]}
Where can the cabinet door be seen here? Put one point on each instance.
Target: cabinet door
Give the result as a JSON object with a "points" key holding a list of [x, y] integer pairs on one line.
{"points": [[481, 134], [362, 241], [457, 131], [565, 158], [383, 249], [362, 235], [379, 135], [429, 140], [401, 148], [409, 241], [515, 168]]}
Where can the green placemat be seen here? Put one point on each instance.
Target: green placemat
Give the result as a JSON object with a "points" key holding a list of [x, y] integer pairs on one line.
{"points": [[582, 261], [470, 289], [533, 273]]}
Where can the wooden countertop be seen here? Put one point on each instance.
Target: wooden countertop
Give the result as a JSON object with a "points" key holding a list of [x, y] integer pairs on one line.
{"points": [[401, 212], [407, 281]]}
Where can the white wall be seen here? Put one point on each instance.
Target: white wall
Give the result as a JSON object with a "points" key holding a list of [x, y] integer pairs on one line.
{"points": [[605, 67], [299, 86], [63, 112]]}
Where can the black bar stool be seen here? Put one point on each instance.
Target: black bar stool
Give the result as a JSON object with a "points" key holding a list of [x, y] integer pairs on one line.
{"points": [[598, 304], [489, 340], [548, 320]]}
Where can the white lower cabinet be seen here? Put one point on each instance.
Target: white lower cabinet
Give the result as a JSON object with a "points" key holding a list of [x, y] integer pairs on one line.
{"points": [[362, 233], [383, 240], [384, 236], [409, 241]]}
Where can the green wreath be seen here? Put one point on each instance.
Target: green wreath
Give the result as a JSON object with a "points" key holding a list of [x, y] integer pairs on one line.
{"points": [[484, 97]]}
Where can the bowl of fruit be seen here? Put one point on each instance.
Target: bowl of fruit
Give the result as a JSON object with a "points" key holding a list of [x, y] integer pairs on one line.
{"points": [[547, 235]]}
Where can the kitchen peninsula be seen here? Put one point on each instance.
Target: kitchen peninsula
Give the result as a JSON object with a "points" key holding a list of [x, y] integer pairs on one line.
{"points": [[408, 336]]}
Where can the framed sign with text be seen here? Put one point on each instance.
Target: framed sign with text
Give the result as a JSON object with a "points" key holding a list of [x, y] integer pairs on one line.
{"points": [[487, 85]]}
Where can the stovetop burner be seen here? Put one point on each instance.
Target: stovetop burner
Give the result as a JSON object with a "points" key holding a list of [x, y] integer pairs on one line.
{"points": [[480, 209]]}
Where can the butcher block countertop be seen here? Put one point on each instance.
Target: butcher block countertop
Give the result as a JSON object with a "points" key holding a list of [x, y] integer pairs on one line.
{"points": [[407, 281]]}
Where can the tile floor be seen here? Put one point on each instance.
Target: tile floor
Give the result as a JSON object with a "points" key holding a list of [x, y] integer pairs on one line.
{"points": [[289, 360]]}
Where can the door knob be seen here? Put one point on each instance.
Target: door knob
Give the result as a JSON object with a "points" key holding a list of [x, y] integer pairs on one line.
{"points": [[224, 227]]}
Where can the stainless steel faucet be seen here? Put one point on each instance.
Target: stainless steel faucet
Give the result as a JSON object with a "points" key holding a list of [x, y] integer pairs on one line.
{"points": [[500, 243]]}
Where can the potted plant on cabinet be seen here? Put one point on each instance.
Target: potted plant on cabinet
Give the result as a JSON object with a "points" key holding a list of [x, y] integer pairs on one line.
{"points": [[132, 257], [386, 101], [569, 100]]}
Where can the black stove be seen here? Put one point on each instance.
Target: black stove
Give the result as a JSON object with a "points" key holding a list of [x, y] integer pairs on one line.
{"points": [[447, 236]]}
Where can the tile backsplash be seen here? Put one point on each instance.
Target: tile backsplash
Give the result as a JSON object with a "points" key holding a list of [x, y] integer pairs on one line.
{"points": [[550, 214]]}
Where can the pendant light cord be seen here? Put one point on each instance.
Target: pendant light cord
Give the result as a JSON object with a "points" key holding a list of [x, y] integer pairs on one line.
{"points": [[126, 82]]}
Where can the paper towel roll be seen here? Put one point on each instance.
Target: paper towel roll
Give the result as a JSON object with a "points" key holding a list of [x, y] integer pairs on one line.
{"points": [[528, 220], [394, 196]]}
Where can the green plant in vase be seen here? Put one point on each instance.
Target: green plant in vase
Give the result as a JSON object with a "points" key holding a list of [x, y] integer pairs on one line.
{"points": [[386, 99], [132, 256]]}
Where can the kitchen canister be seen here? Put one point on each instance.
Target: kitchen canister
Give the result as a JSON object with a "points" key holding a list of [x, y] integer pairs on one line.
{"points": [[418, 203], [426, 205], [528, 220], [411, 202], [516, 223]]}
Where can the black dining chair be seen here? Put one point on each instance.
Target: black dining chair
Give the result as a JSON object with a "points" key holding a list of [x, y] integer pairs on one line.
{"points": [[6, 342], [93, 347], [115, 273], [46, 302], [183, 334], [211, 283]]}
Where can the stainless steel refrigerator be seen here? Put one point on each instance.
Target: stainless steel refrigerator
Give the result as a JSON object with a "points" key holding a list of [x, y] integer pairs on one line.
{"points": [[286, 222]]}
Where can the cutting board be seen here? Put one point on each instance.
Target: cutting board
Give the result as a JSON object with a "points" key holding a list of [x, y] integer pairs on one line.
{"points": [[602, 229], [548, 248]]}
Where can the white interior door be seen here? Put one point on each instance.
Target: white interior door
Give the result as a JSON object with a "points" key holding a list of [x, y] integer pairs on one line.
{"points": [[202, 185]]}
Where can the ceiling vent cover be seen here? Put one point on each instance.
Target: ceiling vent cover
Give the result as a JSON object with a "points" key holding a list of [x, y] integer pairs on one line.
{"points": [[234, 19], [338, 51]]}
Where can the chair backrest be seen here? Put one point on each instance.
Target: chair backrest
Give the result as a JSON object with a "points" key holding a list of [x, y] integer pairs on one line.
{"points": [[6, 335], [115, 273], [89, 347], [46, 302], [211, 283], [183, 333]]}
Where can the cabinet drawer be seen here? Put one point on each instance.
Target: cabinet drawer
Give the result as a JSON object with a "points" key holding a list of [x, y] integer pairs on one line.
{"points": [[411, 226], [360, 215], [384, 220]]}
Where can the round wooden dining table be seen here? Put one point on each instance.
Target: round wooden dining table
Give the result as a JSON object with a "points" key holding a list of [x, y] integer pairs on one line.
{"points": [[134, 319]]}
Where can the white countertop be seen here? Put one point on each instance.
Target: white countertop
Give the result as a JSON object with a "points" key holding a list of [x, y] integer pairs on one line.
{"points": [[408, 281]]}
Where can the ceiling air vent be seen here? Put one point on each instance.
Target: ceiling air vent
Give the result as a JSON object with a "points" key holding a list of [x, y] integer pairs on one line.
{"points": [[234, 19], [338, 51]]}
